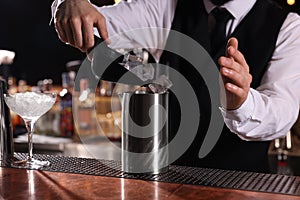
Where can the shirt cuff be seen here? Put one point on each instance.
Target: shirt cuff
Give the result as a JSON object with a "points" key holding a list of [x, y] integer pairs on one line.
{"points": [[243, 113]]}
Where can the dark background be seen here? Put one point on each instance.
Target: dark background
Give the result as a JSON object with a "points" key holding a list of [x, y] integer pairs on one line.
{"points": [[24, 29]]}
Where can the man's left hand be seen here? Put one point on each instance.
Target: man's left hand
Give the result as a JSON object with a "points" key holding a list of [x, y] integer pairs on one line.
{"points": [[235, 75]]}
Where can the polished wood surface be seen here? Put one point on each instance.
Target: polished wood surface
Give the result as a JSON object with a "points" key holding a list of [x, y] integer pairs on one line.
{"points": [[34, 184]]}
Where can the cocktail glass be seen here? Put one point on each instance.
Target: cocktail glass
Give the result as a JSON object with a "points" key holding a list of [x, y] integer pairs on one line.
{"points": [[30, 106]]}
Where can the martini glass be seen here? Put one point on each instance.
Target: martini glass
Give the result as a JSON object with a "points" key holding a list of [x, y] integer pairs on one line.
{"points": [[30, 106]]}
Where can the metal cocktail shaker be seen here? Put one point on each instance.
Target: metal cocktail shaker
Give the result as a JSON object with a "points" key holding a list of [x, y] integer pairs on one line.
{"points": [[6, 137], [144, 132]]}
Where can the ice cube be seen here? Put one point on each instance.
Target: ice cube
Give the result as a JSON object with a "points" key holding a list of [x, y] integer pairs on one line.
{"points": [[160, 85], [136, 62], [144, 72]]}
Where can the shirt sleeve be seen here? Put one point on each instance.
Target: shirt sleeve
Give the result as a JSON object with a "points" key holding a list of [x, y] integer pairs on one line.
{"points": [[140, 23], [271, 109], [54, 6], [136, 24]]}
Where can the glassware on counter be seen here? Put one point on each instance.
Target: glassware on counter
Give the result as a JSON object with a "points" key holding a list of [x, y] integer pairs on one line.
{"points": [[30, 106]]}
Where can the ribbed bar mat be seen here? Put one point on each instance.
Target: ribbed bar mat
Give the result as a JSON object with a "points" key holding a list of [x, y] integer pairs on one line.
{"points": [[251, 181]]}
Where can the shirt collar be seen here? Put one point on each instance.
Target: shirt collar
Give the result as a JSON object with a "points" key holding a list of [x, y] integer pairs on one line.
{"points": [[237, 8]]}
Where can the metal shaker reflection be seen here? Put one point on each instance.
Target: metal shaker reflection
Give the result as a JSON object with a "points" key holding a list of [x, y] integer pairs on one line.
{"points": [[145, 131]]}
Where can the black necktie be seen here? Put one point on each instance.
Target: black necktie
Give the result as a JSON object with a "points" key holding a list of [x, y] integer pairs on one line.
{"points": [[218, 34]]}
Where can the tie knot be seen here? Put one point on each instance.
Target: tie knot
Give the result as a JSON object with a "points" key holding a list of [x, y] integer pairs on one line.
{"points": [[221, 14]]}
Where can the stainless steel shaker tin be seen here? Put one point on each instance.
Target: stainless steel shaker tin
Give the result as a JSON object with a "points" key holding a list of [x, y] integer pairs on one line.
{"points": [[145, 132], [6, 137]]}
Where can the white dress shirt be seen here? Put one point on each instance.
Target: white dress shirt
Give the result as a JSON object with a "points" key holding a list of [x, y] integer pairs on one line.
{"points": [[269, 110]]}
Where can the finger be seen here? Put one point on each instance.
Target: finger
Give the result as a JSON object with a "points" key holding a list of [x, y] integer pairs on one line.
{"points": [[69, 33], [88, 35], [233, 77], [230, 63], [100, 24], [238, 57], [242, 80], [61, 33], [233, 52], [235, 90], [232, 42], [77, 33]]}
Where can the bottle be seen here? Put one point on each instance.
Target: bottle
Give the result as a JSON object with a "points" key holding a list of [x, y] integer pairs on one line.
{"points": [[106, 88], [22, 86], [12, 85], [66, 116], [85, 111]]}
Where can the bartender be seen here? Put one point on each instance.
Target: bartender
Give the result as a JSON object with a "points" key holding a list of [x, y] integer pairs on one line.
{"points": [[255, 44]]}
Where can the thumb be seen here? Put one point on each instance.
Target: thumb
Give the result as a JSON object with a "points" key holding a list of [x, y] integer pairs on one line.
{"points": [[232, 43]]}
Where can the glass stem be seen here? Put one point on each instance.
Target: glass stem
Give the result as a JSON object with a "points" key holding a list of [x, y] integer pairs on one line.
{"points": [[30, 127]]}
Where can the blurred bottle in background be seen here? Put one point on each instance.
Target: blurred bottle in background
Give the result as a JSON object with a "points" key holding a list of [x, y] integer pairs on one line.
{"points": [[66, 116], [22, 86], [106, 88], [86, 122], [12, 85]]}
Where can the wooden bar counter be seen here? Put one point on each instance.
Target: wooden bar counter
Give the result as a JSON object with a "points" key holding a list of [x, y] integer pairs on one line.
{"points": [[35, 184]]}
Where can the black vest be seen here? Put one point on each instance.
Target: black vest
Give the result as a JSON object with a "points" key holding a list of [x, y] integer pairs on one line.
{"points": [[257, 34]]}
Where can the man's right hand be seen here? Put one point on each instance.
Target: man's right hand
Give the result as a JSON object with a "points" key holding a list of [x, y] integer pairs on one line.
{"points": [[74, 22]]}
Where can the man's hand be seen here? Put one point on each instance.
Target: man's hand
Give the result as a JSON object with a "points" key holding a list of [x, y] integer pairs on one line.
{"points": [[235, 75], [74, 22]]}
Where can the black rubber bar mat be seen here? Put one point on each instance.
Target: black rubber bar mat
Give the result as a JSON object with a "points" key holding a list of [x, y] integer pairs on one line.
{"points": [[251, 181]]}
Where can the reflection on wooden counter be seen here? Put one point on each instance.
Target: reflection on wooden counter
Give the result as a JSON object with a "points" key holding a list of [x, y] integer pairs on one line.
{"points": [[32, 184]]}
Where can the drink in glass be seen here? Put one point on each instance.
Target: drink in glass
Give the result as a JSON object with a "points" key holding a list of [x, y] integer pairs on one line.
{"points": [[30, 106]]}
